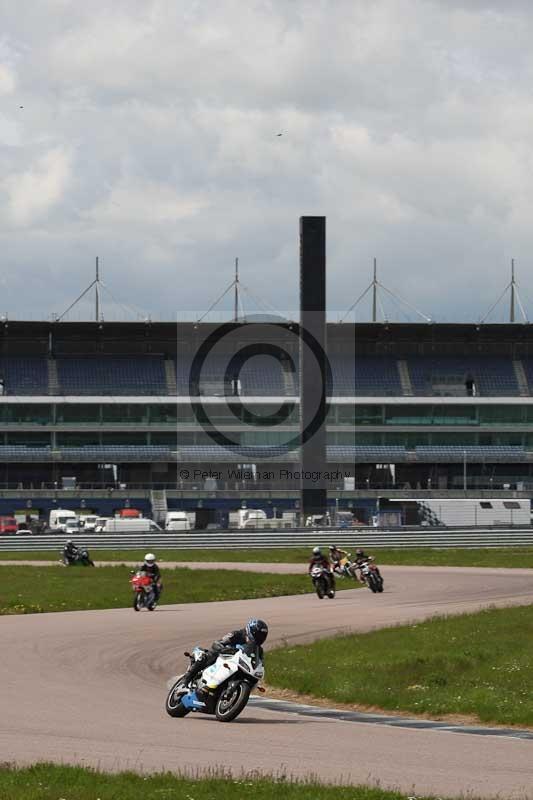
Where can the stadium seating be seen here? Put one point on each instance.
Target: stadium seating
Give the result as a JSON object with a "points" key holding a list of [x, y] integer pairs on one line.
{"points": [[367, 377], [362, 376], [24, 375], [89, 454], [447, 376], [474, 453], [389, 454], [262, 376], [112, 375]]}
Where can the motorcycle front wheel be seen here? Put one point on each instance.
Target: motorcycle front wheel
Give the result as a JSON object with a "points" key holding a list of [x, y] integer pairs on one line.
{"points": [[173, 705], [138, 601], [320, 589], [231, 701]]}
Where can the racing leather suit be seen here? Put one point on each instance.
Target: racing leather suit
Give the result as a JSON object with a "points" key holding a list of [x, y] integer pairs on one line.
{"points": [[336, 557], [227, 644], [70, 551], [322, 561]]}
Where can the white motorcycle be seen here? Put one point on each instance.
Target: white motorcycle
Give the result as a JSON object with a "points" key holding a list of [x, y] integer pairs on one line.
{"points": [[323, 581], [222, 689]]}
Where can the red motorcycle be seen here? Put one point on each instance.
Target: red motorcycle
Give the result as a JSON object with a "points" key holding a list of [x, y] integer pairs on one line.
{"points": [[144, 594]]}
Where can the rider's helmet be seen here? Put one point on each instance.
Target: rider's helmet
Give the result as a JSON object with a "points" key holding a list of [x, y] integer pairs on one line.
{"points": [[256, 630], [69, 541], [149, 559], [359, 552], [332, 547], [317, 551]]}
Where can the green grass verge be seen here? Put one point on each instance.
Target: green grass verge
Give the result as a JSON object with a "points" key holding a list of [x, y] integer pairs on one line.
{"points": [[456, 557], [30, 590], [49, 782], [474, 664]]}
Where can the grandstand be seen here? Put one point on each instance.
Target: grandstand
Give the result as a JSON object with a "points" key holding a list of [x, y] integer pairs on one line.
{"points": [[412, 407]]}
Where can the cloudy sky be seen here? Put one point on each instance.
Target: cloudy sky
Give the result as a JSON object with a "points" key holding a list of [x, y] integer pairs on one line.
{"points": [[145, 132]]}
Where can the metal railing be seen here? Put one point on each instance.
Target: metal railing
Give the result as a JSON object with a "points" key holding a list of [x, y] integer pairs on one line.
{"points": [[371, 538]]}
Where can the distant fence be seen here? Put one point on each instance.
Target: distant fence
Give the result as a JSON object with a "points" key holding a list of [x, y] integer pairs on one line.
{"points": [[233, 540]]}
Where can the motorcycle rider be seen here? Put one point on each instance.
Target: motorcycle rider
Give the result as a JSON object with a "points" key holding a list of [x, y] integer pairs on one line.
{"points": [[150, 568], [360, 558], [70, 552], [336, 555], [318, 559], [255, 632]]}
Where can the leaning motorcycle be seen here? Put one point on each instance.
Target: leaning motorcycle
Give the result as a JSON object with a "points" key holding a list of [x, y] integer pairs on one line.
{"points": [[81, 557], [144, 594], [222, 689], [371, 576], [346, 568], [323, 581]]}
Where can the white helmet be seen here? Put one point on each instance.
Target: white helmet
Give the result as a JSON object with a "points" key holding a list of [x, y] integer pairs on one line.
{"points": [[149, 558], [317, 551]]}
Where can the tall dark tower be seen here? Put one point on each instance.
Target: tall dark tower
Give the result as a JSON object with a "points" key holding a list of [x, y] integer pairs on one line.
{"points": [[313, 365]]}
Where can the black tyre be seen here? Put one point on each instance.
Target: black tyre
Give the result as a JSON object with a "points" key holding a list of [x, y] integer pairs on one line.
{"points": [[173, 705], [320, 589], [231, 701], [372, 583], [138, 602]]}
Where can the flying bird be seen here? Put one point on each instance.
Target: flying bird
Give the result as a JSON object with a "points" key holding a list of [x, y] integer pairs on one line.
{"points": [[279, 134]]}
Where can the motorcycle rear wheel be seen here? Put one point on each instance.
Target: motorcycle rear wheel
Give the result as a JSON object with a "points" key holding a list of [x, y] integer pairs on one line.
{"points": [[173, 705], [228, 708]]}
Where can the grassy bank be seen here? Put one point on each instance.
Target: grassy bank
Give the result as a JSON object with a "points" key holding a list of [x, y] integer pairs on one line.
{"points": [[456, 557], [28, 590], [477, 665], [48, 782]]}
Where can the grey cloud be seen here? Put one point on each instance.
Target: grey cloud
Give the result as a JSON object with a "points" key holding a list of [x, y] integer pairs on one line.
{"points": [[148, 137]]}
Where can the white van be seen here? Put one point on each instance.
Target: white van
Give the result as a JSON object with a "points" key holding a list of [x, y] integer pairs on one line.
{"points": [[251, 518], [130, 526], [177, 521], [88, 522], [59, 518]]}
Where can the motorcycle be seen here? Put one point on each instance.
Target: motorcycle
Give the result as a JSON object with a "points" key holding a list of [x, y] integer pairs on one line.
{"points": [[222, 689], [144, 594], [346, 568], [80, 557], [323, 581], [371, 575]]}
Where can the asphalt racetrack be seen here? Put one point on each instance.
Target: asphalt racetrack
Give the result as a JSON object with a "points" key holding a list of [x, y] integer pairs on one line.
{"points": [[88, 687]]}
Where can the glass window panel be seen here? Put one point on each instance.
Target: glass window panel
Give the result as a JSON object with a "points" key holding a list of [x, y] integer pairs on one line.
{"points": [[124, 412], [77, 439], [502, 415], [29, 439], [132, 438], [408, 415], [78, 412], [169, 413], [32, 413], [166, 439]]}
